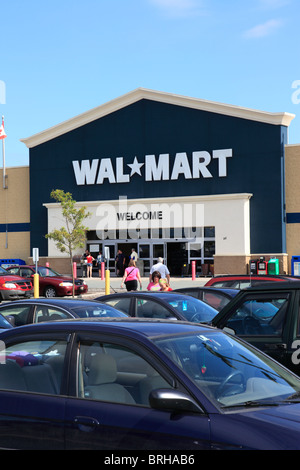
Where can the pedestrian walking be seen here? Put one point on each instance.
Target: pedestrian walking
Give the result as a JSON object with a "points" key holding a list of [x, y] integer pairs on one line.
{"points": [[161, 268], [164, 285], [120, 261], [133, 255], [89, 260], [100, 259], [131, 277], [154, 282]]}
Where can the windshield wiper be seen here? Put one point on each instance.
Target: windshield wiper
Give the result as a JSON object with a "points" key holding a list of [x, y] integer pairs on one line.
{"points": [[295, 398], [251, 404]]}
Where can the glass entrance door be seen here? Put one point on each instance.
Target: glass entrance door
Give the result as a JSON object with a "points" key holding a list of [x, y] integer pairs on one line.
{"points": [[158, 251]]}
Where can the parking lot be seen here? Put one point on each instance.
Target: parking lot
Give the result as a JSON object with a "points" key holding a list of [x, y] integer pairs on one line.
{"points": [[97, 287]]}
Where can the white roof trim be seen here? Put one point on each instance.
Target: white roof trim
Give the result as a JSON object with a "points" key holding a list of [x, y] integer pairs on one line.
{"points": [[165, 200], [283, 119]]}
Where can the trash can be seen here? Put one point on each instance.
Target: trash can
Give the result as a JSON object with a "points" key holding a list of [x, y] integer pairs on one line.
{"points": [[295, 264], [273, 266]]}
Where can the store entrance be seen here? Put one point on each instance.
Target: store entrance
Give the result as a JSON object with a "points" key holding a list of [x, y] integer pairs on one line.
{"points": [[177, 257], [126, 250]]}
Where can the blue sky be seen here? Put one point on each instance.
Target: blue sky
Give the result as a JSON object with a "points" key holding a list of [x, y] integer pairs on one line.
{"points": [[62, 58]]}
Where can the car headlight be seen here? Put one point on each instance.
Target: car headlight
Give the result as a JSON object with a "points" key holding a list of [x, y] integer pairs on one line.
{"points": [[66, 284], [10, 285]]}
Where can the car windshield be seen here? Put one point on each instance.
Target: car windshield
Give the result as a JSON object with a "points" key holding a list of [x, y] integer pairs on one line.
{"points": [[47, 272], [228, 371], [3, 271], [194, 310], [97, 311]]}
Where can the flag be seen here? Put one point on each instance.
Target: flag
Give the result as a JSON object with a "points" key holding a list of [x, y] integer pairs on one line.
{"points": [[2, 131]]}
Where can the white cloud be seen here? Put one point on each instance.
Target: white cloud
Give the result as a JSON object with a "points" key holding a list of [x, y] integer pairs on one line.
{"points": [[178, 7], [264, 29]]}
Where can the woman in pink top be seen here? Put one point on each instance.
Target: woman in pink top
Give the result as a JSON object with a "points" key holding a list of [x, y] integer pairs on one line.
{"points": [[131, 277], [154, 285]]}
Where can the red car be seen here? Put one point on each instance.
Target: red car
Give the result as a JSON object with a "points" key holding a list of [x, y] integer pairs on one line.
{"points": [[51, 284], [236, 281], [14, 287]]}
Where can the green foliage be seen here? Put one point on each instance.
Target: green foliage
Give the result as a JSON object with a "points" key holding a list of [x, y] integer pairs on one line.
{"points": [[73, 234]]}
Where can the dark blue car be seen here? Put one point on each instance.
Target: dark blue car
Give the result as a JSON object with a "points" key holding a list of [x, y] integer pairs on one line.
{"points": [[128, 384]]}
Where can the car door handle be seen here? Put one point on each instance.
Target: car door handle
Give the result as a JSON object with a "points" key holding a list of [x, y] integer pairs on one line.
{"points": [[85, 423]]}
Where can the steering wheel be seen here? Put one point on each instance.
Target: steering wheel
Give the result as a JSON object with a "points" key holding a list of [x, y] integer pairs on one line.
{"points": [[235, 388], [196, 318], [251, 326]]}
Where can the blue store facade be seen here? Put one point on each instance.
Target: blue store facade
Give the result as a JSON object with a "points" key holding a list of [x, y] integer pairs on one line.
{"points": [[219, 169]]}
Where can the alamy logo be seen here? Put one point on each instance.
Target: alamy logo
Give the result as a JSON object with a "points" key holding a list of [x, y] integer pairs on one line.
{"points": [[2, 92], [296, 94]]}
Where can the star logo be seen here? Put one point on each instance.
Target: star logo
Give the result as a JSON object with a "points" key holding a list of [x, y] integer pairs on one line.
{"points": [[135, 167]]}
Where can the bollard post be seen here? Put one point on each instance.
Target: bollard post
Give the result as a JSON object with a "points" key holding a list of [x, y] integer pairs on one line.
{"points": [[75, 270], [107, 282], [193, 270], [36, 287], [102, 270]]}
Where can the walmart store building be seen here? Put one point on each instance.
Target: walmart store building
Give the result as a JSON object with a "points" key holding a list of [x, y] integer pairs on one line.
{"points": [[171, 176]]}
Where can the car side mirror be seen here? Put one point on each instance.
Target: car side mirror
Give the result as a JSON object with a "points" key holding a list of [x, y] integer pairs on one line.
{"points": [[11, 319], [167, 399], [229, 330]]}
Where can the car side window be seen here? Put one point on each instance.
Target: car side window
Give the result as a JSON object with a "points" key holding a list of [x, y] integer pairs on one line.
{"points": [[122, 304], [222, 284], [44, 313], [150, 309], [26, 272], [116, 374], [33, 366], [263, 316], [13, 270], [17, 315]]}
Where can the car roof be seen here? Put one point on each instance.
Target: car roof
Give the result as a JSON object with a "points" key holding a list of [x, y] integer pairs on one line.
{"points": [[226, 290], [275, 286], [59, 302], [146, 327], [255, 276], [157, 294]]}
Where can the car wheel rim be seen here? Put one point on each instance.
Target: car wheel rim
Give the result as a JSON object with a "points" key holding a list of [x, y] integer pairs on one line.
{"points": [[50, 292]]}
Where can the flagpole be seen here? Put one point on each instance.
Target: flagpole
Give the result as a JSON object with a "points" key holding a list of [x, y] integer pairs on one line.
{"points": [[3, 156]]}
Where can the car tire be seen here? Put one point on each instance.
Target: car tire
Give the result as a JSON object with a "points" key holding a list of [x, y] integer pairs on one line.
{"points": [[50, 292]]}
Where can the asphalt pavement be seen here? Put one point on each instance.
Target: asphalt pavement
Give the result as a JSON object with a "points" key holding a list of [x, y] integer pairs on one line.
{"points": [[97, 286]]}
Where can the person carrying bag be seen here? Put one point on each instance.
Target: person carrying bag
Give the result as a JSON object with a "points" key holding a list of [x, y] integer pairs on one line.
{"points": [[131, 277]]}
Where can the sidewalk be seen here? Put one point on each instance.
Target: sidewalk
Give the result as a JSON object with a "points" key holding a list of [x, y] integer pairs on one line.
{"points": [[96, 286]]}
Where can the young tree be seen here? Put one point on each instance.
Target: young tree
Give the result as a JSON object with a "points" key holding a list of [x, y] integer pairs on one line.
{"points": [[73, 234]]}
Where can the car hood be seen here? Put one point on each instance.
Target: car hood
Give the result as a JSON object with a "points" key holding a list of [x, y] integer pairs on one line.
{"points": [[275, 427], [11, 277]]}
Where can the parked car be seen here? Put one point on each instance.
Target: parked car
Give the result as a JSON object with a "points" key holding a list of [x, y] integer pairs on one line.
{"points": [[215, 297], [160, 305], [13, 286], [51, 283], [23, 312], [240, 281], [267, 316], [137, 384]]}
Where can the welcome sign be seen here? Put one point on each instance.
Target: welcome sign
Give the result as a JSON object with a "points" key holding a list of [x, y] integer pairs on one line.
{"points": [[152, 168]]}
